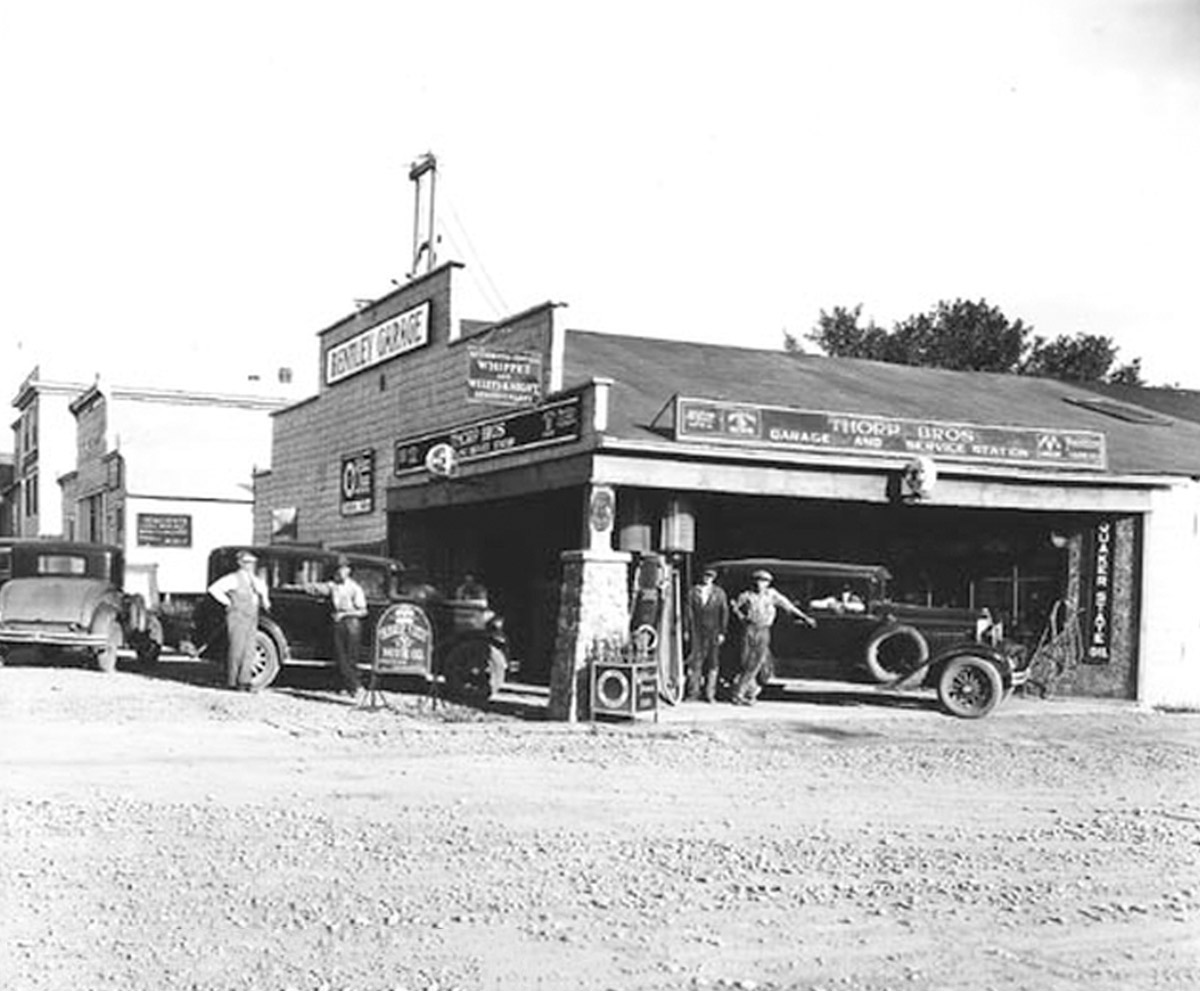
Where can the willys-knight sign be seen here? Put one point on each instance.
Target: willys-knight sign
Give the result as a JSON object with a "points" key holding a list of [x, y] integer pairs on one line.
{"points": [[397, 335], [754, 425], [504, 378]]}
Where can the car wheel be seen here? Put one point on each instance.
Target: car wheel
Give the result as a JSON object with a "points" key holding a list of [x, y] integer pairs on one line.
{"points": [[265, 668], [470, 670], [970, 687], [106, 624], [895, 652]]}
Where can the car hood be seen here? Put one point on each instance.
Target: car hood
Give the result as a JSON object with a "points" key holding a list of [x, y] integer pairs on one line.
{"points": [[58, 601]]}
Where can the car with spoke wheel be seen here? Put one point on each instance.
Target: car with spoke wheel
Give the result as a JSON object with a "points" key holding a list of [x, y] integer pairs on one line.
{"points": [[862, 635]]}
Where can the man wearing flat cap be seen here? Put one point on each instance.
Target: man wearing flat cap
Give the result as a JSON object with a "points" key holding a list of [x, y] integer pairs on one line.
{"points": [[757, 608], [708, 610], [242, 593]]}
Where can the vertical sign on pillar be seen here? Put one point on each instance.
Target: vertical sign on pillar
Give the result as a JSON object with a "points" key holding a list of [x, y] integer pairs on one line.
{"points": [[1101, 558]]}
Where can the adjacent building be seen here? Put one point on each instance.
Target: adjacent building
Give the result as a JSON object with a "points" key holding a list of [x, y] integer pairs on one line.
{"points": [[167, 475], [43, 448]]}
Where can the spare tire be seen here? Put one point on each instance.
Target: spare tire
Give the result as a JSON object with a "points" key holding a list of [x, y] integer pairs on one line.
{"points": [[896, 651]]}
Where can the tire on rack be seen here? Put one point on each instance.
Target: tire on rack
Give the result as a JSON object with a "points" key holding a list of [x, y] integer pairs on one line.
{"points": [[896, 651], [969, 687], [107, 624]]}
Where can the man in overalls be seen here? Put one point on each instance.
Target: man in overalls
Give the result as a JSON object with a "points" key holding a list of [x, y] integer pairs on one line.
{"points": [[242, 593]]}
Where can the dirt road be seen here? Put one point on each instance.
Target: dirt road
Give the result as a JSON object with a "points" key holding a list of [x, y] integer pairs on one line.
{"points": [[157, 833]]}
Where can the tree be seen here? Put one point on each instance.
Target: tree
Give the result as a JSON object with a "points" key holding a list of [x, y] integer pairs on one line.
{"points": [[969, 336], [1082, 358], [838, 333]]}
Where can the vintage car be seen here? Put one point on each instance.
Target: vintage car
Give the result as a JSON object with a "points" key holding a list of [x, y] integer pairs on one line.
{"points": [[66, 595], [468, 654], [862, 635]]}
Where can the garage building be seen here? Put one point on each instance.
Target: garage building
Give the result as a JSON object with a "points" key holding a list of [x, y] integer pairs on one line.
{"points": [[547, 460]]}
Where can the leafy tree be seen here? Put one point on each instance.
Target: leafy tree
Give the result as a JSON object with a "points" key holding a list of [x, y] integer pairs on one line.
{"points": [[838, 333], [969, 336], [1082, 358]]}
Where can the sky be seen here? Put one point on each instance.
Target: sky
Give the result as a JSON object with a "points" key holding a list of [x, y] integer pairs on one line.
{"points": [[190, 192]]}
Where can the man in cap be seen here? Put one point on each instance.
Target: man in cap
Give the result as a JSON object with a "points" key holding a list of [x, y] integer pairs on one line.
{"points": [[757, 608], [349, 603], [242, 593], [708, 610]]}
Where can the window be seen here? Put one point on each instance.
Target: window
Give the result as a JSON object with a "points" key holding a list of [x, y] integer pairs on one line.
{"points": [[30, 485], [61, 564], [93, 518], [373, 580]]}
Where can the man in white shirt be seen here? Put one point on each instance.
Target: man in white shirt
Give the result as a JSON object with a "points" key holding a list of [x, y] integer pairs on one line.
{"points": [[349, 609]]}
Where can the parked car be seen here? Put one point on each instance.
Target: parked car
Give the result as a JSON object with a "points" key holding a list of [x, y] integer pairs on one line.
{"points": [[298, 629], [862, 635], [70, 596]]}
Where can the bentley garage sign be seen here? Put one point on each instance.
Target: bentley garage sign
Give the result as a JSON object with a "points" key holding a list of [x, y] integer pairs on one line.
{"points": [[397, 335]]}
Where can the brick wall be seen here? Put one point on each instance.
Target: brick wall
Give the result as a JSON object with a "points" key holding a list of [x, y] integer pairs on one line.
{"points": [[411, 394]]}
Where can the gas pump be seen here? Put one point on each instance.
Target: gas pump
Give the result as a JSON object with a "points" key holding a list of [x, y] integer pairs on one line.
{"points": [[657, 606]]}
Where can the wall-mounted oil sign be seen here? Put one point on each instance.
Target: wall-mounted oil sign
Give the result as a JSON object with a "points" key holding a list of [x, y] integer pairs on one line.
{"points": [[552, 423], [754, 425], [504, 378], [358, 484], [1100, 545], [397, 335], [164, 530]]}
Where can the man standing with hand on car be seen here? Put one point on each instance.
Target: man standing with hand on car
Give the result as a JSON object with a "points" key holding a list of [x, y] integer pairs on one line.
{"points": [[349, 609], [756, 608]]}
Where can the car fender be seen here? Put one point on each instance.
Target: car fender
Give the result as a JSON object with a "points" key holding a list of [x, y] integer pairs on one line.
{"points": [[275, 632]]}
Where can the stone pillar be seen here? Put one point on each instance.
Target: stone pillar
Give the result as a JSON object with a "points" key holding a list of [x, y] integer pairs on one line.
{"points": [[593, 606]]}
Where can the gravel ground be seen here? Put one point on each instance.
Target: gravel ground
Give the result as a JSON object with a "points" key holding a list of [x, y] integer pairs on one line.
{"points": [[159, 833]]}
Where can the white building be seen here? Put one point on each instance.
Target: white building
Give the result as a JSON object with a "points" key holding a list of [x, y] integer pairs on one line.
{"points": [[166, 475]]}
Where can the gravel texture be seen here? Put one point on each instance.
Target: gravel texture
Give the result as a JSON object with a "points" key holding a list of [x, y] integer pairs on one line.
{"points": [[159, 833]]}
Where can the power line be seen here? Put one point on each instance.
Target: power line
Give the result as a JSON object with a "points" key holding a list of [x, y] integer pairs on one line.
{"points": [[476, 256]]}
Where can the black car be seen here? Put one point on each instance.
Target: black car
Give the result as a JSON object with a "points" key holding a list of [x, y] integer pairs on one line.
{"points": [[862, 635], [298, 628]]}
